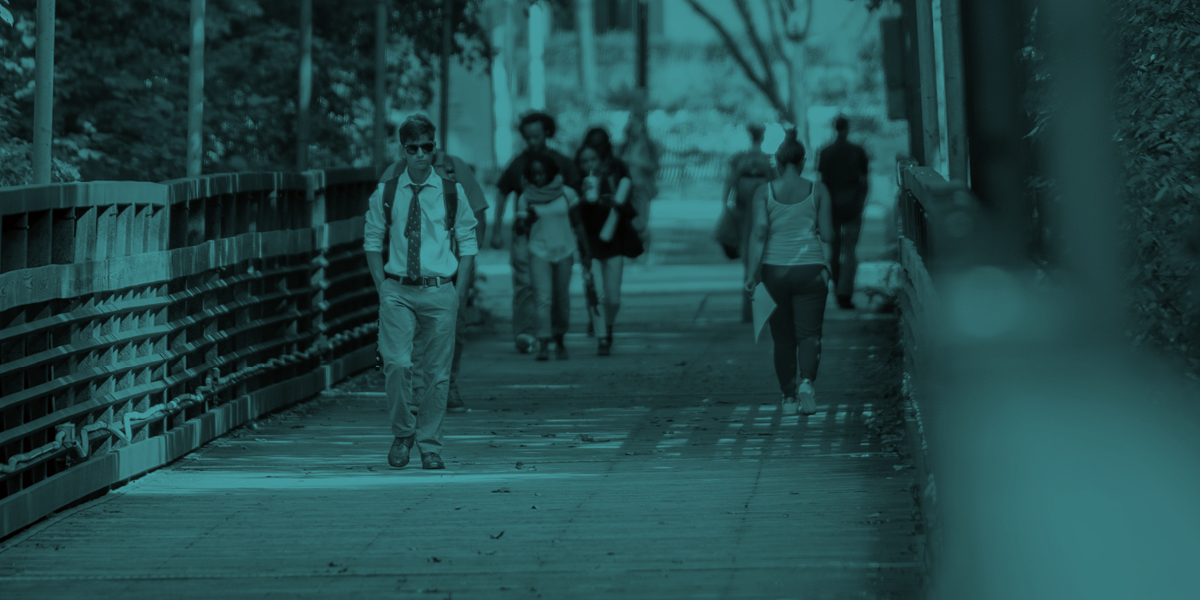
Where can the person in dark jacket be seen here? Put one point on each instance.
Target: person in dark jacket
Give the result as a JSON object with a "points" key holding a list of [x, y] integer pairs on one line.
{"points": [[536, 127], [844, 167], [607, 212]]}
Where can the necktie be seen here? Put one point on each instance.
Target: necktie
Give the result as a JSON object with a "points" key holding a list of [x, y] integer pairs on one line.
{"points": [[412, 231]]}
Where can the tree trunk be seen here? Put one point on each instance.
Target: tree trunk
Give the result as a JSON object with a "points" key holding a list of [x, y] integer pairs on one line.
{"points": [[304, 106], [501, 80], [585, 24], [195, 141], [797, 98], [43, 93], [537, 66], [379, 147], [444, 99]]}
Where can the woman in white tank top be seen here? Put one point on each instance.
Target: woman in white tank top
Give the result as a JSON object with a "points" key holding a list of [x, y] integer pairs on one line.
{"points": [[791, 228]]}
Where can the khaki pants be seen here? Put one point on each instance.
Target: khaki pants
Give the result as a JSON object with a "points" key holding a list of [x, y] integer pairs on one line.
{"points": [[420, 317]]}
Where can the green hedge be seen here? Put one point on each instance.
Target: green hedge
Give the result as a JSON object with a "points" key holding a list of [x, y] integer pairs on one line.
{"points": [[1159, 133], [1157, 102]]}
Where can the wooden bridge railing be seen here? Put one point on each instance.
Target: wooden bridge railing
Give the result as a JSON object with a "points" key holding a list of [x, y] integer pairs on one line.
{"points": [[140, 320], [940, 224]]}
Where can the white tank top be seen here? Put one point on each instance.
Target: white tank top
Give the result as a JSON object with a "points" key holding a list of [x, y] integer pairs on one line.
{"points": [[792, 232]]}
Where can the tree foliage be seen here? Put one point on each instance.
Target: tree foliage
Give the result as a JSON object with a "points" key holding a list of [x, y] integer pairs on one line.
{"points": [[757, 51], [121, 77], [1159, 116]]}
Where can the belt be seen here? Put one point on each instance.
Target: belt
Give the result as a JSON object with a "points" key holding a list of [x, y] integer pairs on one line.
{"points": [[422, 281]]}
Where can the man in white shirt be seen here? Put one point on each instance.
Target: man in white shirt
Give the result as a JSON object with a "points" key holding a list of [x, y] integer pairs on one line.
{"points": [[418, 301]]}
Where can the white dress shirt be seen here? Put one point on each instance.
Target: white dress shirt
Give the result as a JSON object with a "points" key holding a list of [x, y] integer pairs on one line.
{"points": [[437, 260]]}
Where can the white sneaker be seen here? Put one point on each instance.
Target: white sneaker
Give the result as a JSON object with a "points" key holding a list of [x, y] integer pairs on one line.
{"points": [[808, 398], [790, 405]]}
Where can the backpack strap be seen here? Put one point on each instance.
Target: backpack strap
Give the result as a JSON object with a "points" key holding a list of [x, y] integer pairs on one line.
{"points": [[450, 196], [389, 199]]}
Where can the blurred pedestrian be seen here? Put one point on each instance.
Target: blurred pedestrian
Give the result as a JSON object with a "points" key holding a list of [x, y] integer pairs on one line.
{"points": [[791, 227], [641, 154], [607, 214], [544, 213], [536, 128], [455, 169], [748, 170], [429, 240], [844, 167]]}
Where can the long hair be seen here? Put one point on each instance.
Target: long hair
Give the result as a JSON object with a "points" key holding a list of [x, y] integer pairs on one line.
{"points": [[596, 139]]}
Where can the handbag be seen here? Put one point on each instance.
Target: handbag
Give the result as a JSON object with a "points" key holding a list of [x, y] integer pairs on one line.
{"points": [[729, 228]]}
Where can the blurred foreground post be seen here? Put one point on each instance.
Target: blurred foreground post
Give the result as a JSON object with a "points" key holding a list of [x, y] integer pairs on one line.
{"points": [[43, 95], [380, 141], [195, 134], [992, 35], [1066, 462], [305, 104]]}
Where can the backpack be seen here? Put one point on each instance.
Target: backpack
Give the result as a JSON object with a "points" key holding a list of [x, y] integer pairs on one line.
{"points": [[449, 195], [753, 169]]}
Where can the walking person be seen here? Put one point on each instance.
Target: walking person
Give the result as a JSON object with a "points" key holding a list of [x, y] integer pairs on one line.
{"points": [[545, 211], [748, 170], [451, 168], [791, 227], [536, 128], [844, 167], [606, 213], [641, 154], [430, 242]]}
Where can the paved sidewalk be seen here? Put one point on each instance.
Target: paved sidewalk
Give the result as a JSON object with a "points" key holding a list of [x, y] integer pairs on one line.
{"points": [[664, 471]]}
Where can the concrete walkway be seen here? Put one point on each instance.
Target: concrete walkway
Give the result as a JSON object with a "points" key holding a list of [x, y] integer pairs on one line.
{"points": [[663, 471]]}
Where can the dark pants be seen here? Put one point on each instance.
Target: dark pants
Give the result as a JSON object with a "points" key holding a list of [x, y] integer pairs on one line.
{"points": [[847, 224], [799, 296]]}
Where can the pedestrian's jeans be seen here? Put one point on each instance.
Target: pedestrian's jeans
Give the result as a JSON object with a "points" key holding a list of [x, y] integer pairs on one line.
{"points": [[799, 294], [420, 317], [551, 285], [524, 303]]}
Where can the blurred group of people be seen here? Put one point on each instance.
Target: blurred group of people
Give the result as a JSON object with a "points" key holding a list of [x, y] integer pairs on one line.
{"points": [[593, 206], [797, 237], [426, 221]]}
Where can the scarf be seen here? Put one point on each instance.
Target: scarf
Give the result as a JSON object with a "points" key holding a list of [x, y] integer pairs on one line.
{"points": [[547, 193]]}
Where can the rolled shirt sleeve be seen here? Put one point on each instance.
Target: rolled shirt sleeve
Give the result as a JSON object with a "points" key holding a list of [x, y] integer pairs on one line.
{"points": [[464, 226], [375, 224]]}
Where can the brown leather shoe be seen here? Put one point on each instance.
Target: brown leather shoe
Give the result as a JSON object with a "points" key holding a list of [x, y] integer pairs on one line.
{"points": [[399, 454], [431, 460]]}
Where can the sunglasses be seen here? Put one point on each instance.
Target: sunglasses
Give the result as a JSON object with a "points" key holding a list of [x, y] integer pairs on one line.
{"points": [[412, 148]]}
